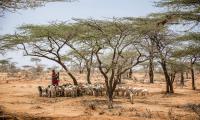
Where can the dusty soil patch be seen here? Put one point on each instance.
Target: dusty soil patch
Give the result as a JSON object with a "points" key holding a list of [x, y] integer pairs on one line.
{"points": [[20, 100]]}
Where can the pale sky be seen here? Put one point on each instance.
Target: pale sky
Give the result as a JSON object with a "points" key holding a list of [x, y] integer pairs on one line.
{"points": [[59, 11]]}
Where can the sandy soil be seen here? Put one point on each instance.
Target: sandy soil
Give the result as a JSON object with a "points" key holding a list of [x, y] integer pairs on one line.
{"points": [[19, 99]]}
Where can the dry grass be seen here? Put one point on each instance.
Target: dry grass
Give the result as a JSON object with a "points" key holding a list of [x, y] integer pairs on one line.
{"points": [[19, 99]]}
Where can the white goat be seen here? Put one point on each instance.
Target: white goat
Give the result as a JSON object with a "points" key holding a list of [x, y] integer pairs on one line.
{"points": [[51, 91], [42, 91]]}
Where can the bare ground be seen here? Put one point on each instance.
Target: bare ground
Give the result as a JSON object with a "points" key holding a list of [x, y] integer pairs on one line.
{"points": [[19, 100]]}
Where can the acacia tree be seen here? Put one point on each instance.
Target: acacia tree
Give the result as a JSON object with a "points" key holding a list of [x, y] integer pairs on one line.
{"points": [[192, 56], [145, 28], [181, 11], [182, 68], [148, 29], [185, 12], [149, 47], [54, 43], [176, 66], [83, 48], [84, 56], [151, 58], [164, 47], [113, 39], [4, 63], [13, 5], [4, 46], [76, 60], [47, 41]]}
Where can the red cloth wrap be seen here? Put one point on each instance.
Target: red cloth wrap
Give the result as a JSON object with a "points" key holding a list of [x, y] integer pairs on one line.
{"points": [[54, 79]]}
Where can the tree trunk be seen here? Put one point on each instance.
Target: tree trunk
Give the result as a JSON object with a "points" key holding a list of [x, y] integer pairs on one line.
{"points": [[151, 74], [173, 75], [151, 66], [120, 79], [130, 73], [69, 73], [88, 66], [182, 78], [80, 68], [110, 90], [110, 97], [192, 76], [169, 85], [81, 71], [187, 75], [88, 75], [73, 78], [110, 102]]}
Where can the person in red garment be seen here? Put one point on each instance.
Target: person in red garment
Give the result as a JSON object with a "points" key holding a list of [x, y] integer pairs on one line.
{"points": [[55, 78], [58, 78]]}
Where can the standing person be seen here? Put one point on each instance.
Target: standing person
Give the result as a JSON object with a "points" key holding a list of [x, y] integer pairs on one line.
{"points": [[58, 78], [54, 78]]}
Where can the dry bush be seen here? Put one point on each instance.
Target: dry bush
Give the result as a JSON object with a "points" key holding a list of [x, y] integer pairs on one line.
{"points": [[171, 115], [92, 105], [101, 112], [148, 113], [132, 109], [194, 108]]}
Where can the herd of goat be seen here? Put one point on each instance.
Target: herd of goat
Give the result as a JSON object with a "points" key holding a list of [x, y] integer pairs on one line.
{"points": [[69, 90]]}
